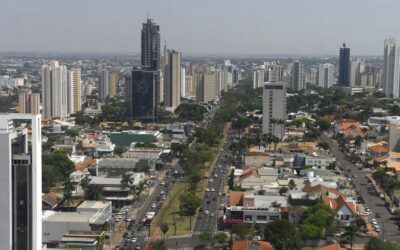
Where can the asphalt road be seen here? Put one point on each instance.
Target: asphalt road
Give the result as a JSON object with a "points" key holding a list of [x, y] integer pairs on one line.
{"points": [[207, 223], [389, 229]]}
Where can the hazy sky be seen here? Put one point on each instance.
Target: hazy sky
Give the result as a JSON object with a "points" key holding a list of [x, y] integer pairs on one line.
{"points": [[200, 26]]}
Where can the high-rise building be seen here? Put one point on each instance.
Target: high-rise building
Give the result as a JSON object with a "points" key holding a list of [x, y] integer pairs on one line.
{"points": [[258, 78], [108, 83], [113, 79], [150, 46], [29, 102], [172, 74], [183, 82], [190, 90], [21, 183], [325, 75], [141, 94], [314, 76], [297, 76], [74, 88], [391, 68], [344, 67], [274, 108], [54, 90], [355, 70]]}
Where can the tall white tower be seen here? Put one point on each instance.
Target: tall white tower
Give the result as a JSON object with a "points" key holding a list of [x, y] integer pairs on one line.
{"points": [[54, 90], [274, 108], [391, 78]]}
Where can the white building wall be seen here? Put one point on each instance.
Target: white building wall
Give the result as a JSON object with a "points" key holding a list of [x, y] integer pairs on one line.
{"points": [[274, 107]]}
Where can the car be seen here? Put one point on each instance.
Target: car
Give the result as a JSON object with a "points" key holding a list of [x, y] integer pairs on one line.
{"points": [[133, 240], [214, 198], [200, 209], [163, 183], [211, 180], [208, 202], [164, 198], [215, 175], [162, 192], [354, 176], [212, 190], [206, 212], [221, 171], [219, 166], [378, 215], [154, 205], [211, 214], [207, 190]]}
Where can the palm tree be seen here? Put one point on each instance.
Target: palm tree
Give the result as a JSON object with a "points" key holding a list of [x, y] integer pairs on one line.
{"points": [[273, 121], [94, 192], [365, 132], [275, 140], [68, 187], [351, 233], [84, 183], [127, 181], [358, 141]]}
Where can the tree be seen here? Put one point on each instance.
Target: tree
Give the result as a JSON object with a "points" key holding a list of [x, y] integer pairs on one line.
{"points": [[60, 161], [164, 228], [292, 184], [324, 124], [205, 237], [282, 235], [68, 187], [242, 230], [84, 183], [72, 132], [94, 192], [190, 202], [221, 237], [190, 111], [283, 190], [351, 234], [308, 231], [119, 150], [378, 244], [159, 245], [323, 145]]}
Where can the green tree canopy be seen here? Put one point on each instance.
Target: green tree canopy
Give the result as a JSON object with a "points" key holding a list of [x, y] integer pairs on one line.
{"points": [[282, 235], [190, 112]]}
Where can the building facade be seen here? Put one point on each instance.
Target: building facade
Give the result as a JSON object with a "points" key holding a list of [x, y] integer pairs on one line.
{"points": [[391, 71], [29, 102], [21, 180], [297, 76], [274, 108], [325, 75], [74, 88], [172, 74], [344, 66]]}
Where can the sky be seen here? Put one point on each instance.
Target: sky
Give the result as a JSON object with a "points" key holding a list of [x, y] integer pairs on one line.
{"points": [[252, 27]]}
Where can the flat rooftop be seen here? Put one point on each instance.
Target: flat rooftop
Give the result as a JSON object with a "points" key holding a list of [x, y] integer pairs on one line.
{"points": [[93, 204]]}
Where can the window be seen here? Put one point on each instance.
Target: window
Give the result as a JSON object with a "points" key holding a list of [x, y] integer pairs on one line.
{"points": [[248, 218], [261, 217], [273, 217]]}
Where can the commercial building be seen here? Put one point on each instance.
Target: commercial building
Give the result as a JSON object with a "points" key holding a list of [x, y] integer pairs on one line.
{"points": [[325, 75], [29, 102], [274, 108], [394, 137], [21, 182], [344, 66], [142, 94], [297, 76], [258, 78], [150, 46], [391, 68]]}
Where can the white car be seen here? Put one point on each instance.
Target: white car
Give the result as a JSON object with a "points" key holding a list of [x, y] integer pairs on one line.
{"points": [[206, 212], [163, 183], [211, 180], [215, 175], [212, 189], [154, 205], [133, 240], [207, 190], [211, 214], [164, 198]]}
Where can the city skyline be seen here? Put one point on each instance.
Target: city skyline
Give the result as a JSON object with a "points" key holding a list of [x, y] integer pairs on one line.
{"points": [[228, 28]]}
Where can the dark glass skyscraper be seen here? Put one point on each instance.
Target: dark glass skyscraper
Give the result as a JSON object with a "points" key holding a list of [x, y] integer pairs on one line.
{"points": [[142, 87], [150, 46], [141, 92], [344, 66]]}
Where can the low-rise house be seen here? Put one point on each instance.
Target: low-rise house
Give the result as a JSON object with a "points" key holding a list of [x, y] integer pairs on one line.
{"points": [[257, 177], [345, 210], [254, 209], [334, 246], [50, 201], [378, 150], [319, 161], [251, 245]]}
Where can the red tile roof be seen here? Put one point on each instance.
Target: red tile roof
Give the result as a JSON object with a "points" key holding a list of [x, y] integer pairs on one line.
{"points": [[51, 199], [235, 198], [83, 165], [251, 245], [333, 246]]}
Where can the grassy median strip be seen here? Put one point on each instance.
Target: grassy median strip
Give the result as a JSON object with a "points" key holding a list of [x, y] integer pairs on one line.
{"points": [[170, 211]]}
